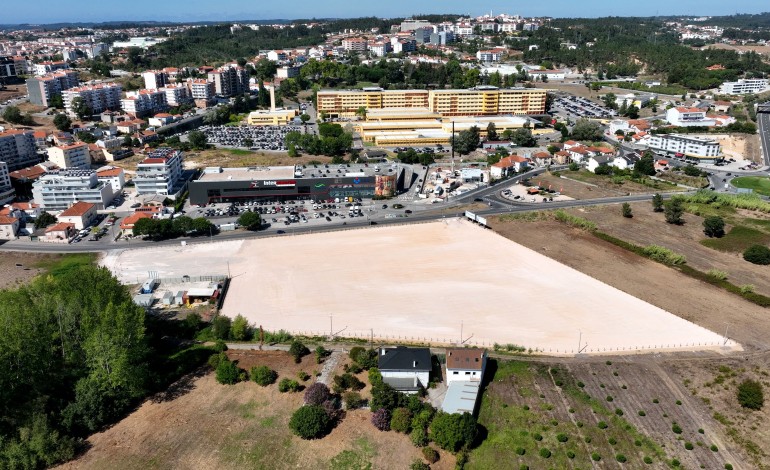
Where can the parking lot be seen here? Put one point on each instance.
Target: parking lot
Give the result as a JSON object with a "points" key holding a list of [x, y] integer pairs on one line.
{"points": [[576, 106], [252, 137]]}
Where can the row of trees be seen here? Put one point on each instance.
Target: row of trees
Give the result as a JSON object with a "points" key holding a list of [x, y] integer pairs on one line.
{"points": [[332, 140], [163, 229]]}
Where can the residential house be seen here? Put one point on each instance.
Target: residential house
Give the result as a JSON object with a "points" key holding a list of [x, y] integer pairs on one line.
{"points": [[626, 161], [73, 156], [62, 232], [405, 369], [508, 165], [542, 158], [127, 224], [596, 161], [722, 106], [113, 176], [129, 127], [464, 372], [9, 227], [561, 157], [80, 215]]}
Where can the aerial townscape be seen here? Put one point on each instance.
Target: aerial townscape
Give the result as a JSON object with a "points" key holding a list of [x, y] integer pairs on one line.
{"points": [[490, 239]]}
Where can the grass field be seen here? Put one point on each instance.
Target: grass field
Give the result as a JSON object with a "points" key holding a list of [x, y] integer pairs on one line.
{"points": [[759, 184], [738, 239], [65, 263], [244, 158]]}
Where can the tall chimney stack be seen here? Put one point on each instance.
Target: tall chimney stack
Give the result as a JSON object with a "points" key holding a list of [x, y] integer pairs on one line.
{"points": [[272, 98]]}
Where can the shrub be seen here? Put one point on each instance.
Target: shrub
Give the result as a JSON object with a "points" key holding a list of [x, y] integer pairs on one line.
{"points": [[263, 375], [602, 425], [751, 395], [663, 255], [288, 385], [714, 448], [309, 422], [655, 400], [419, 465], [366, 358], [316, 394], [618, 412], [717, 274], [348, 381], [642, 413], [581, 384], [679, 402], [419, 437], [561, 437], [609, 398], [688, 446], [657, 203], [757, 254], [352, 400], [297, 350], [374, 376], [714, 226], [579, 424], [520, 451], [638, 443], [621, 458], [303, 376], [676, 429], [574, 221], [728, 466], [570, 454], [537, 436], [215, 359], [453, 431], [430, 454], [746, 288], [587, 439], [647, 460], [381, 419], [545, 453], [401, 420], [625, 210], [612, 441], [675, 463], [596, 457], [228, 372]]}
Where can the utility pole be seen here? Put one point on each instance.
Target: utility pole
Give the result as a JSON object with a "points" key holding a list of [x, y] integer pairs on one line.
{"points": [[453, 147]]}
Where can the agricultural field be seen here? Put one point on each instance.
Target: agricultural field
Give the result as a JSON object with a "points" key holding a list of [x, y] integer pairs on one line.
{"points": [[760, 184], [17, 268], [586, 185]]}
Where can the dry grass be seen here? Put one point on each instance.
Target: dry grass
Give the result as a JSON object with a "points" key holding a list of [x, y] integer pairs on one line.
{"points": [[244, 158]]}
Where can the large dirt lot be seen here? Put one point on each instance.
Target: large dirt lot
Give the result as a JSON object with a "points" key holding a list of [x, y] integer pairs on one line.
{"points": [[243, 158], [586, 185], [205, 425], [402, 283], [17, 268]]}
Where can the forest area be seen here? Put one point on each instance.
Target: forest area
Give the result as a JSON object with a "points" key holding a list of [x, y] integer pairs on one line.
{"points": [[77, 354]]}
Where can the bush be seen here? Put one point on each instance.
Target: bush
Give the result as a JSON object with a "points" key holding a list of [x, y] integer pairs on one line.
{"points": [[602, 425], [751, 395], [316, 394], [520, 451], [596, 457], [320, 354], [612, 441], [453, 431], [757, 254], [717, 274], [642, 413], [297, 350], [537, 436], [714, 226], [419, 437], [676, 429], [688, 446], [288, 385], [352, 400], [647, 460], [303, 376], [215, 359], [621, 458], [625, 210], [381, 419], [714, 448], [663, 255], [746, 288], [348, 381], [419, 465], [675, 463], [545, 453], [561, 437], [228, 372], [618, 412], [366, 358], [374, 376], [263, 375], [401, 420], [609, 398], [430, 454], [728, 466], [309, 422]]}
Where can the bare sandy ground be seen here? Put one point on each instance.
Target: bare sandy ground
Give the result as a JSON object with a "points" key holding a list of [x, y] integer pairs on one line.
{"points": [[423, 283]]}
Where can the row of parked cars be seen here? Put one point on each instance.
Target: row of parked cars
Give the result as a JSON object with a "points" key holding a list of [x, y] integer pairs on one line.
{"points": [[253, 137], [583, 108]]}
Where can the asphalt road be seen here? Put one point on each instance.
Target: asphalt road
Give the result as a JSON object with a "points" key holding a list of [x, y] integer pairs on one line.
{"points": [[763, 119]]}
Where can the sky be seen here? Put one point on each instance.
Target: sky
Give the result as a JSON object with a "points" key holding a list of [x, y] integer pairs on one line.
{"points": [[53, 11]]}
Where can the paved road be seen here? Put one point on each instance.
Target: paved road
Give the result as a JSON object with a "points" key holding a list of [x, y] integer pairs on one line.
{"points": [[763, 120]]}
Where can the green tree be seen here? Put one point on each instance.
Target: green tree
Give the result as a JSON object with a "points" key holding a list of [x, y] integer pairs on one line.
{"points": [[62, 122], [453, 431], [626, 210], [310, 422], [228, 372], [467, 141], [220, 327], [492, 132], [240, 330], [586, 130], [197, 139], [523, 138], [250, 220], [44, 220], [610, 100], [81, 109], [13, 115], [657, 202], [757, 254], [263, 375], [401, 420], [304, 117], [56, 102], [574, 167], [673, 211], [645, 165], [297, 350], [714, 226], [751, 394]]}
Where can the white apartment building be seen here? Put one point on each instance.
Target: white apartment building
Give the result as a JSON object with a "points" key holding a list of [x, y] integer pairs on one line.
{"points": [[113, 176], [201, 89], [144, 102], [47, 67], [744, 86], [230, 80], [489, 56], [698, 148], [17, 149], [154, 79], [42, 89], [687, 117], [177, 95], [60, 189], [7, 193], [277, 56], [287, 72], [160, 173], [379, 49], [355, 44], [99, 98], [75, 156]]}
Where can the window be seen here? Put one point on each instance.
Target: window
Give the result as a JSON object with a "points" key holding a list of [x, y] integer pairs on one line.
{"points": [[455, 373], [467, 373]]}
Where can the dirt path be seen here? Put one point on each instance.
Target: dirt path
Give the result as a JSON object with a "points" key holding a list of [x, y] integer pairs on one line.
{"points": [[330, 365]]}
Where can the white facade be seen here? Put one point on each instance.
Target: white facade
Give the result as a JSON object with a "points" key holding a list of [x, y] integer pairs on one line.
{"points": [[154, 79], [7, 193], [159, 173], [201, 89], [744, 86], [690, 146], [98, 97], [686, 117], [114, 177], [143, 102], [465, 365], [489, 56], [177, 95], [59, 189], [18, 149], [73, 156]]}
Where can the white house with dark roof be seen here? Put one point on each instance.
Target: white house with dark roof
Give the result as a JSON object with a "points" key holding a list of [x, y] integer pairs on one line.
{"points": [[405, 369], [464, 373]]}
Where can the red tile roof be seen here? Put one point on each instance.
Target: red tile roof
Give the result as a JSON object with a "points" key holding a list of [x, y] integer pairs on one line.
{"points": [[78, 209], [109, 173], [8, 220], [129, 221], [60, 227]]}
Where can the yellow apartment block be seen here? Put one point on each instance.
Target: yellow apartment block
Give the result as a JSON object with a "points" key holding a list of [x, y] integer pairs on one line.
{"points": [[479, 101], [271, 118], [430, 132]]}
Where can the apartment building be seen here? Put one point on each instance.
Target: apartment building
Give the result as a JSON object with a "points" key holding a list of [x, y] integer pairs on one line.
{"points": [[489, 56], [7, 67], [177, 95], [479, 101], [99, 98], [201, 89], [229, 80], [277, 56], [47, 67], [690, 147], [355, 44], [744, 86], [17, 149], [154, 79], [379, 49], [686, 117], [144, 102], [42, 89], [113, 176], [57, 190], [73, 156], [160, 173], [7, 193]]}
